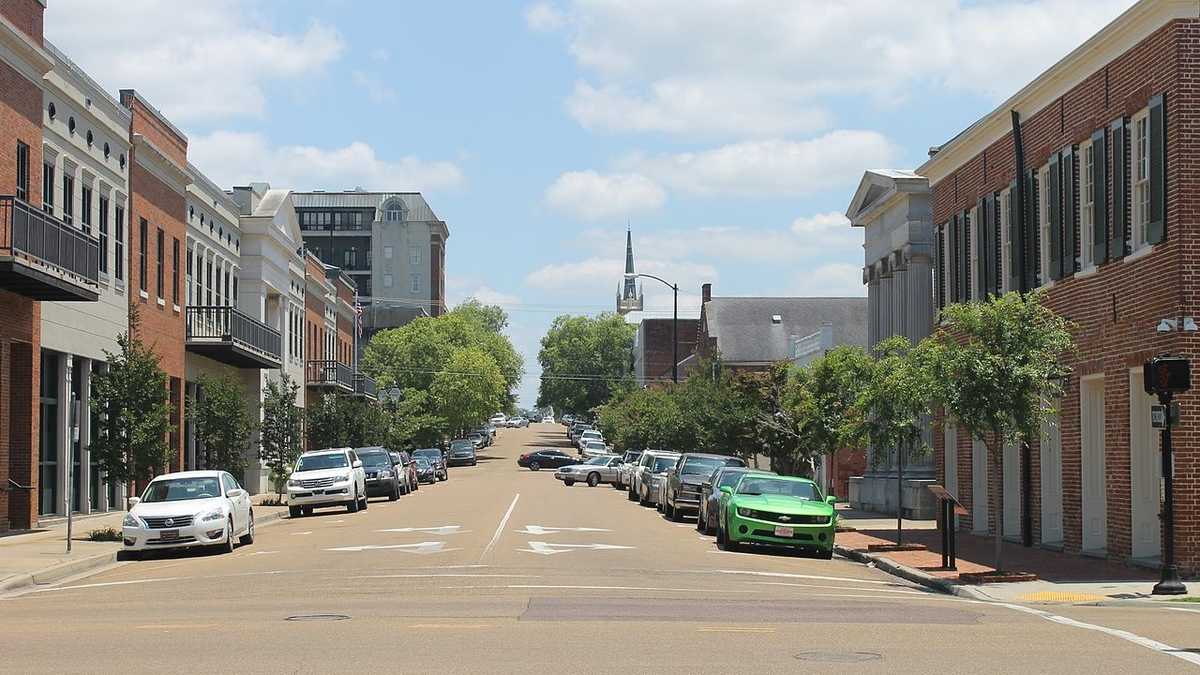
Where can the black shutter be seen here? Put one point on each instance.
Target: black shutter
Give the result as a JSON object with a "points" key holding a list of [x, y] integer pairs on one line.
{"points": [[997, 282], [981, 249], [1120, 190], [1099, 197], [1156, 230], [952, 261], [1070, 199], [941, 266], [1014, 239], [964, 257], [987, 232], [1054, 201], [1029, 234]]}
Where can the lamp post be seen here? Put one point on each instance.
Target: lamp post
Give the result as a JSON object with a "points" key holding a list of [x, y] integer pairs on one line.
{"points": [[622, 310]]}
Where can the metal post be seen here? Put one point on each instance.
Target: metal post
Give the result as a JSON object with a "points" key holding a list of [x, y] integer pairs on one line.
{"points": [[675, 337], [899, 493], [1169, 583]]}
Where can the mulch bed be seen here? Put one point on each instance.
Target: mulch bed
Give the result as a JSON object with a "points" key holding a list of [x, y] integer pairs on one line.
{"points": [[994, 577], [892, 548]]}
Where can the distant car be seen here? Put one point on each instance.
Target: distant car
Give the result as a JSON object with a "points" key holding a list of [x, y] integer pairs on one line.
{"points": [[779, 510], [546, 459], [478, 439], [643, 487], [497, 420], [681, 493], [548, 419], [518, 422], [710, 494], [331, 477], [587, 435], [436, 457], [385, 477], [575, 429], [188, 508], [597, 470], [625, 468], [595, 449], [426, 471], [462, 453]]}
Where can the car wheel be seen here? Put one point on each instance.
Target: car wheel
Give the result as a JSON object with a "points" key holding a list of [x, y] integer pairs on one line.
{"points": [[825, 554], [227, 547], [416, 485], [395, 492], [129, 555], [534, 466], [568, 482], [294, 511], [365, 501], [593, 479], [643, 497], [672, 513], [248, 538], [307, 510], [352, 507], [629, 494]]}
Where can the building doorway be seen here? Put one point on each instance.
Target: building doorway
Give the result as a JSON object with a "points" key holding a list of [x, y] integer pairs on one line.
{"points": [[1094, 500]]}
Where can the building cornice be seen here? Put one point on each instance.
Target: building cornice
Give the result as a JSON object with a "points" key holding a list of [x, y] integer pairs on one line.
{"points": [[152, 159], [1123, 33], [26, 56]]}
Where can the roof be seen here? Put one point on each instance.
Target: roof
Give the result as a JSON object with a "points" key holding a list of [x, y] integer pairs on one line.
{"points": [[415, 206], [746, 332]]}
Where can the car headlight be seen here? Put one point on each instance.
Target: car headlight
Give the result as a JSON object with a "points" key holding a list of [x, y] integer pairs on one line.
{"points": [[385, 474], [293, 483], [216, 514], [132, 521], [745, 512], [342, 478]]}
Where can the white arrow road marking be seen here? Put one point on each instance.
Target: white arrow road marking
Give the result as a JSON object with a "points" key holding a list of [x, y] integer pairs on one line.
{"points": [[545, 548], [295, 534], [440, 530], [262, 553], [423, 548], [542, 529]]}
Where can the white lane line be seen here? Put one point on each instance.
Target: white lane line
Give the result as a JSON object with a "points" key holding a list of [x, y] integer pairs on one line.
{"points": [[423, 548], [106, 583], [1183, 609], [296, 534], [786, 575], [837, 588], [438, 530], [592, 588], [500, 528], [1154, 645], [542, 529], [438, 576]]}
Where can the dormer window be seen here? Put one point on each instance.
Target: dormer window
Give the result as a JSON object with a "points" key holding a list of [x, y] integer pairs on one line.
{"points": [[393, 211]]}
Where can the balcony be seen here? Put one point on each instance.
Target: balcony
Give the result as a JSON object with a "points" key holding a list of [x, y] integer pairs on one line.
{"points": [[329, 374], [365, 387], [224, 334], [45, 259]]}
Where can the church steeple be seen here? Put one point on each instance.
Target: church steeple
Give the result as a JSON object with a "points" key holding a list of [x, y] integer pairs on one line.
{"points": [[629, 296]]}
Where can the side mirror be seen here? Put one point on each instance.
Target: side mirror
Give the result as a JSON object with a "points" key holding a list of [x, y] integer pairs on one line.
{"points": [[831, 500], [725, 489], [233, 493], [357, 464], [706, 486], [134, 501]]}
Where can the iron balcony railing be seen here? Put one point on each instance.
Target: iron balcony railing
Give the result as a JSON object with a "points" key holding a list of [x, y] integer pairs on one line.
{"points": [[226, 326], [329, 374], [31, 233], [364, 385]]}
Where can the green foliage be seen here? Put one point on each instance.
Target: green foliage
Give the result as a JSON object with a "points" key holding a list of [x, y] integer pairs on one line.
{"points": [[222, 423], [412, 425], [584, 361], [105, 534], [491, 317], [282, 429], [335, 421], [822, 397], [132, 405], [775, 430], [469, 390], [897, 397], [641, 419]]}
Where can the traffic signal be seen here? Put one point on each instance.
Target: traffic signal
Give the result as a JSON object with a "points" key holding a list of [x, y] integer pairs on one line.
{"points": [[1167, 375]]}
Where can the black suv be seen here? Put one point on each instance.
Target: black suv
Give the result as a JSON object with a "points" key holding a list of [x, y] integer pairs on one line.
{"points": [[384, 478], [682, 491]]}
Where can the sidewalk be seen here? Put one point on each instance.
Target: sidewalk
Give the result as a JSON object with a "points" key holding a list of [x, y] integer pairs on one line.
{"points": [[40, 556], [1062, 578]]}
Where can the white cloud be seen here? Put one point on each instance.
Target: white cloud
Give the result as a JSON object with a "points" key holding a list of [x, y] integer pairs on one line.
{"points": [[543, 16], [231, 158], [599, 277], [194, 60], [377, 90], [831, 280], [829, 231], [769, 167], [759, 62], [490, 296], [593, 196], [380, 54]]}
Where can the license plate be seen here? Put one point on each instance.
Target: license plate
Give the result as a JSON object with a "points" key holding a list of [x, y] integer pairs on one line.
{"points": [[784, 532], [168, 534]]}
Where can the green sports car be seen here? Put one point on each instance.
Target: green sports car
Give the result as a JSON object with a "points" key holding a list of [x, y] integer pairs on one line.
{"points": [[779, 510]]}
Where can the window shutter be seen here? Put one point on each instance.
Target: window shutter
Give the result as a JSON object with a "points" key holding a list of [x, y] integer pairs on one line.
{"points": [[941, 266], [1014, 240], [964, 257], [1156, 230], [952, 261], [1070, 238], [1054, 200], [1029, 234], [1120, 190], [1099, 197], [997, 267], [981, 249]]}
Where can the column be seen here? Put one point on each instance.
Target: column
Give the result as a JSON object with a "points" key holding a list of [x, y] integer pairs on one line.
{"points": [[872, 313], [64, 435], [84, 421]]}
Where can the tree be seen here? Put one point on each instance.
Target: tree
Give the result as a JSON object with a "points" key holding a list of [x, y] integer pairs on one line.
{"points": [[776, 430], [825, 408], [282, 427], [717, 417], [640, 419], [327, 422], [222, 423], [996, 369], [132, 405], [491, 317], [412, 424], [583, 360], [469, 390]]}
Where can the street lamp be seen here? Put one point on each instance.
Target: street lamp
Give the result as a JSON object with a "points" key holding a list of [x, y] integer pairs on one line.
{"points": [[623, 309]]}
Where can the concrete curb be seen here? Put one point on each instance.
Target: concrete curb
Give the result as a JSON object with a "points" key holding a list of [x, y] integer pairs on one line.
{"points": [[914, 575], [72, 568]]}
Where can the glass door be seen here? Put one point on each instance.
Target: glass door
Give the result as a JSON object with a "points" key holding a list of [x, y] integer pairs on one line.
{"points": [[48, 447]]}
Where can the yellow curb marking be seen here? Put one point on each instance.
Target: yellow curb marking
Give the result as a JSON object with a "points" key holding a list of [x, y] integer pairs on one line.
{"points": [[1060, 596]]}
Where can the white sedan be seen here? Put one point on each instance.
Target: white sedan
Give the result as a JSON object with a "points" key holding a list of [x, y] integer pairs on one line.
{"points": [[189, 508], [597, 470]]}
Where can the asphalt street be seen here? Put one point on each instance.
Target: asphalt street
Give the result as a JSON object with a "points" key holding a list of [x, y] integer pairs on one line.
{"points": [[501, 569]]}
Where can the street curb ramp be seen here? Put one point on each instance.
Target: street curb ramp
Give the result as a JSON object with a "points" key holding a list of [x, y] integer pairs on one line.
{"points": [[911, 574]]}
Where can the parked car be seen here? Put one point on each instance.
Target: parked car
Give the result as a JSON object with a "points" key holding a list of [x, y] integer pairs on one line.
{"points": [[385, 476], [411, 465], [186, 509], [587, 435], [462, 453], [595, 449], [331, 477], [546, 459], [435, 457], [518, 423], [652, 463], [567, 420], [477, 438], [710, 493], [575, 429], [547, 419], [681, 492], [779, 510], [426, 470], [597, 470], [626, 467], [497, 419], [402, 462]]}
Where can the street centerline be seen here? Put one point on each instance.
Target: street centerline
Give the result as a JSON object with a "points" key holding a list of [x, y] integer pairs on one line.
{"points": [[500, 528]]}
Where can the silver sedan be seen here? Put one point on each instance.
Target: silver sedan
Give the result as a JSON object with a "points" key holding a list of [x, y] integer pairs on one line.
{"points": [[597, 470]]}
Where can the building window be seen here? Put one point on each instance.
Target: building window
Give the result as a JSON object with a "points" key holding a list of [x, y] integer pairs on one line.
{"points": [[48, 187], [358, 218], [387, 252], [416, 283], [414, 255], [208, 282], [393, 212], [175, 272], [162, 245], [189, 276], [22, 171], [337, 218], [1087, 179], [103, 234], [68, 204], [1043, 206], [1006, 261], [233, 299], [225, 286], [1141, 178], [387, 281], [85, 209], [119, 243], [143, 244]]}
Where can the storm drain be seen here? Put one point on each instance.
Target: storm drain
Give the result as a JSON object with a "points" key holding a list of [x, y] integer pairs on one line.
{"points": [[839, 657], [318, 617]]}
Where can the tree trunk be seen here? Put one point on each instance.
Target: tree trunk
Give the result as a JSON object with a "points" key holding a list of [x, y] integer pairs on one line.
{"points": [[997, 456]]}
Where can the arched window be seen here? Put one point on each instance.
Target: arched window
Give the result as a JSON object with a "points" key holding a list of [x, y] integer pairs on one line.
{"points": [[393, 211]]}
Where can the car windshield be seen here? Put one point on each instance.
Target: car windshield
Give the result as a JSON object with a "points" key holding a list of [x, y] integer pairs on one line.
{"points": [[757, 485], [461, 445], [597, 460], [318, 462], [632, 457], [423, 463], [730, 478], [593, 445], [663, 463], [181, 489], [427, 452], [375, 459], [701, 465]]}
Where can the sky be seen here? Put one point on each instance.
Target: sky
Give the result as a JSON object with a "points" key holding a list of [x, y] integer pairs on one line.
{"points": [[729, 135]]}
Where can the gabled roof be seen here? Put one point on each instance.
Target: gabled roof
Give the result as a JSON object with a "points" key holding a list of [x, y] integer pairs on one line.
{"points": [[746, 331], [877, 186]]}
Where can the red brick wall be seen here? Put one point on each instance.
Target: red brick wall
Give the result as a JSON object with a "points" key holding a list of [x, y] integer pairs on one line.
{"points": [[26, 15], [658, 351], [1116, 309]]}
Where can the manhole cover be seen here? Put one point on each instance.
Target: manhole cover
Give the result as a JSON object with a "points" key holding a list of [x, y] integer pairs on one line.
{"points": [[839, 657], [318, 617]]}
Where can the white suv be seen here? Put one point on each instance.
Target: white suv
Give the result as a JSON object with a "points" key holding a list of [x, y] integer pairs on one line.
{"points": [[332, 477]]}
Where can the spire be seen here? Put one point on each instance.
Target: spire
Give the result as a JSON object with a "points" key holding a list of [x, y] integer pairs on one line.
{"points": [[629, 297], [628, 251]]}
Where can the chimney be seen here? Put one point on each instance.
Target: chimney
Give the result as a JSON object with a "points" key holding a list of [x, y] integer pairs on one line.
{"points": [[705, 293], [934, 149]]}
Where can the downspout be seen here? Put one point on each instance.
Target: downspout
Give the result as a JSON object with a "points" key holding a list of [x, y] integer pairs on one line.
{"points": [[1026, 453]]}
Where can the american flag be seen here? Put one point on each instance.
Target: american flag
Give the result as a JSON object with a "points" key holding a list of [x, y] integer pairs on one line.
{"points": [[358, 312]]}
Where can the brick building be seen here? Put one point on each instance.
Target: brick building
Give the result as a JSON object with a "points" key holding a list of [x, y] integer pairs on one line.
{"points": [[654, 348], [1102, 214]]}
